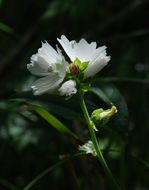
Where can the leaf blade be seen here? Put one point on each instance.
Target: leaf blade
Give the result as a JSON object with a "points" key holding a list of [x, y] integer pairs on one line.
{"points": [[52, 120]]}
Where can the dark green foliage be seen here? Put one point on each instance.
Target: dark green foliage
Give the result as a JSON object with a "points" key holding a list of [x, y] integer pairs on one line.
{"points": [[28, 146]]}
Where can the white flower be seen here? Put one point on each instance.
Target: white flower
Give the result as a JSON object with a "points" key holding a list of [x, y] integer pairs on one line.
{"points": [[68, 88], [88, 148], [50, 65], [86, 52]]}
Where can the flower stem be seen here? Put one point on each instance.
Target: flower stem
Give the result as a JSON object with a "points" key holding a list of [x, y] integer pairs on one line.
{"points": [[108, 172]]}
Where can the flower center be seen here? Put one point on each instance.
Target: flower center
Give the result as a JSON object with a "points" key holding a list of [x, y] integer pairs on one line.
{"points": [[50, 68]]}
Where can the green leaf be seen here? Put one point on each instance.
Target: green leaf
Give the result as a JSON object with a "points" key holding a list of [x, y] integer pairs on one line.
{"points": [[146, 164], [55, 105], [52, 120], [51, 11], [111, 95], [7, 184], [41, 175], [6, 28], [125, 79], [100, 93], [1, 1], [143, 162], [48, 170]]}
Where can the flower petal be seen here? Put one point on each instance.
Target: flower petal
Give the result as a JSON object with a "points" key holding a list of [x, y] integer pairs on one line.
{"points": [[94, 67], [98, 52], [61, 66], [68, 88], [38, 66], [48, 83], [68, 47], [45, 60], [82, 50], [48, 52]]}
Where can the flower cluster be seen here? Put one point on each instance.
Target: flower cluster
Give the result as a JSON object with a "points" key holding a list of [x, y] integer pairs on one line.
{"points": [[59, 76]]}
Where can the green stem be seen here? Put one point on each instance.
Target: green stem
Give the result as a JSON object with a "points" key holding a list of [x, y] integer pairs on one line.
{"points": [[114, 184]]}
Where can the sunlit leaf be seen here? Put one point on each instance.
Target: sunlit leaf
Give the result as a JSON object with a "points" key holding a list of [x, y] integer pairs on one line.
{"points": [[55, 105], [52, 120], [111, 95]]}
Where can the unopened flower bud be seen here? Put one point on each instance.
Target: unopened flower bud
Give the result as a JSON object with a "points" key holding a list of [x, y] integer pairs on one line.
{"points": [[101, 116], [74, 69], [68, 88]]}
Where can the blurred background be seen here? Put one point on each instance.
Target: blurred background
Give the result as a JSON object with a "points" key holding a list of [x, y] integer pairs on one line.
{"points": [[28, 144]]}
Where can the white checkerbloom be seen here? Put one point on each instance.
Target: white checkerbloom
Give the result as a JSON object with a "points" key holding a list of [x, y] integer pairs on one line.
{"points": [[50, 66], [86, 52]]}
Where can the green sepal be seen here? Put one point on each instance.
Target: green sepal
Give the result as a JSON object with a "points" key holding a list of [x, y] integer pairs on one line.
{"points": [[77, 62], [84, 87], [82, 65]]}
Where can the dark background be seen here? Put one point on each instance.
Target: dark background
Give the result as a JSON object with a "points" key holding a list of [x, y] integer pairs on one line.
{"points": [[28, 145]]}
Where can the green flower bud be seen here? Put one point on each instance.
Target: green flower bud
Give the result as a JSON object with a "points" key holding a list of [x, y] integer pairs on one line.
{"points": [[101, 116]]}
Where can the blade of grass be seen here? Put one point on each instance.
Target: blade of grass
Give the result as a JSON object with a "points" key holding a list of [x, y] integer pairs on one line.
{"points": [[125, 79], [36, 179], [143, 162], [45, 172], [52, 120], [7, 184], [6, 28], [1, 2]]}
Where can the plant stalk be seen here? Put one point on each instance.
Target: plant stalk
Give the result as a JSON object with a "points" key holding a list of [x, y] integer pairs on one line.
{"points": [[108, 172]]}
